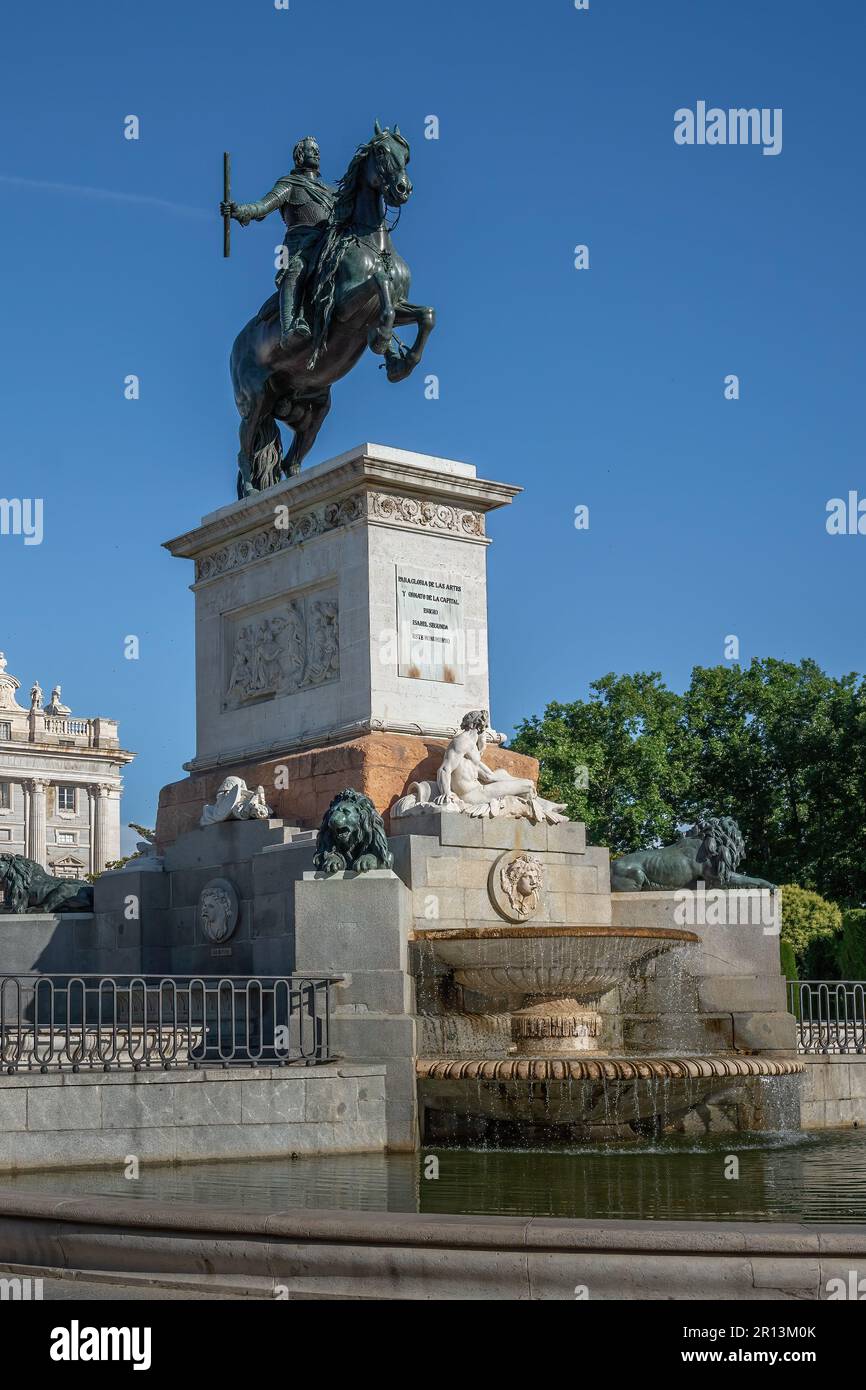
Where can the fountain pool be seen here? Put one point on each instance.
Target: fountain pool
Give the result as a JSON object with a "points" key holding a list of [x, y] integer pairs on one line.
{"points": [[811, 1177]]}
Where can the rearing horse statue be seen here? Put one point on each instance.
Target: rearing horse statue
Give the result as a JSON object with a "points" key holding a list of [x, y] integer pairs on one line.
{"points": [[356, 297]]}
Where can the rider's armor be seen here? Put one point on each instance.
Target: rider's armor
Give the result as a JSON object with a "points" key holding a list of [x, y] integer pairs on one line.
{"points": [[304, 203]]}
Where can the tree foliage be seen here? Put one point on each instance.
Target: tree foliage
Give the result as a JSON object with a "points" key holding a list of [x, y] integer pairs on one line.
{"points": [[807, 918], [851, 949], [781, 747]]}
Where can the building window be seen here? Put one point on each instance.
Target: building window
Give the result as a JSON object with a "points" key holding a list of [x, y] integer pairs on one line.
{"points": [[5, 729], [67, 837], [5, 834], [66, 798], [5, 796]]}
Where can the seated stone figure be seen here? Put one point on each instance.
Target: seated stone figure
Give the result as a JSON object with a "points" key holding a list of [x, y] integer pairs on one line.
{"points": [[711, 851], [30, 888], [465, 782]]}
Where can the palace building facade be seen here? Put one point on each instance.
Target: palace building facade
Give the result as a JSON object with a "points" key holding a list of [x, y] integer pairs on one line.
{"points": [[60, 782]]}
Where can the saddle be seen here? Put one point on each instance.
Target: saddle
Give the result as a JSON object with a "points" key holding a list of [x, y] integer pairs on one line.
{"points": [[271, 307]]}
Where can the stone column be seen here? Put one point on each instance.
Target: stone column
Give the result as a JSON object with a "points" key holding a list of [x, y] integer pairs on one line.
{"points": [[36, 845], [102, 830], [25, 792], [91, 827]]}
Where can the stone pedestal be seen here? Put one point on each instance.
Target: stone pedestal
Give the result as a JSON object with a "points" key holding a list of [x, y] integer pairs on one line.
{"points": [[299, 786], [260, 859], [357, 926], [727, 993], [341, 632], [349, 598]]}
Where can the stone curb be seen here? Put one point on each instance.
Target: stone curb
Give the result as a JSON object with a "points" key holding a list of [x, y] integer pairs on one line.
{"points": [[341, 1254]]}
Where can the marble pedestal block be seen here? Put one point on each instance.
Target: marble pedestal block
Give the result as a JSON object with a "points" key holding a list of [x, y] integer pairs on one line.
{"points": [[349, 599], [358, 926]]}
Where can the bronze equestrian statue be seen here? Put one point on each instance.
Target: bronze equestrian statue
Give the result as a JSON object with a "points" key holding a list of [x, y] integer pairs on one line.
{"points": [[343, 288]]}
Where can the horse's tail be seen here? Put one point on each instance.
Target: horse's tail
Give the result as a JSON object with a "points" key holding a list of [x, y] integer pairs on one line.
{"points": [[267, 454]]}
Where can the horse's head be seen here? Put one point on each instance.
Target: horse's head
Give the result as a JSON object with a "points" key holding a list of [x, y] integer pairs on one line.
{"points": [[387, 157]]}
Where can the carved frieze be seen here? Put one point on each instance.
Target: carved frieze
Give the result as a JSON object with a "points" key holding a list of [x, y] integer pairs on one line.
{"points": [[428, 516], [297, 528], [294, 646], [382, 507]]}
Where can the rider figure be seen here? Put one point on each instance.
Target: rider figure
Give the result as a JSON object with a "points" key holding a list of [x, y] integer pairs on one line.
{"points": [[305, 202]]}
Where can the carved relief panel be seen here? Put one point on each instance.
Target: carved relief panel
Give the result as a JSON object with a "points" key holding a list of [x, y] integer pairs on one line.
{"points": [[290, 646]]}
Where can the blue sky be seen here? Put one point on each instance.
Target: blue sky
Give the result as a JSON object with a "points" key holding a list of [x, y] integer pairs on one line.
{"points": [[601, 387]]}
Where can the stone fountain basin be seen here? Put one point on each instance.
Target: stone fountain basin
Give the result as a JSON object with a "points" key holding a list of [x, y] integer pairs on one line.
{"points": [[557, 1100], [581, 962]]}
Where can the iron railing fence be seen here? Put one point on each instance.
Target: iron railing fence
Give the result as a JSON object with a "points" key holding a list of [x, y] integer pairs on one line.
{"points": [[105, 1022], [830, 1014]]}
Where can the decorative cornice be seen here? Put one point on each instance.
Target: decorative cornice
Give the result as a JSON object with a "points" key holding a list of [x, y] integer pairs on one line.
{"points": [[383, 507], [426, 481], [425, 515], [272, 538], [22, 759], [602, 1068]]}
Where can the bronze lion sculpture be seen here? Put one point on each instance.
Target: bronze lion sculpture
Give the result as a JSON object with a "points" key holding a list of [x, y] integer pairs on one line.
{"points": [[29, 888], [711, 851], [352, 836]]}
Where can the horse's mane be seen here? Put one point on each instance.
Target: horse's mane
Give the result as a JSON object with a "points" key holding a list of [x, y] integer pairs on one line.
{"points": [[348, 186], [334, 243]]}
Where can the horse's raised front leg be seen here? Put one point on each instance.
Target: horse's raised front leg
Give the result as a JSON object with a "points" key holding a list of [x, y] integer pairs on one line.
{"points": [[399, 360], [379, 336]]}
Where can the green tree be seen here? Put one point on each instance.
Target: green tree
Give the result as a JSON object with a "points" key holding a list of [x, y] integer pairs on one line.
{"points": [[807, 919], [779, 746], [621, 761], [782, 751], [788, 961], [851, 947]]}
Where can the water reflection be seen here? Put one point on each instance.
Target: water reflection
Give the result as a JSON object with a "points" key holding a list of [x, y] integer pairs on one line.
{"points": [[799, 1177]]}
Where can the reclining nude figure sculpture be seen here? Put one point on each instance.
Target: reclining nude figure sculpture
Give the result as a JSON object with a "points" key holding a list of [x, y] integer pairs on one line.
{"points": [[465, 782]]}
